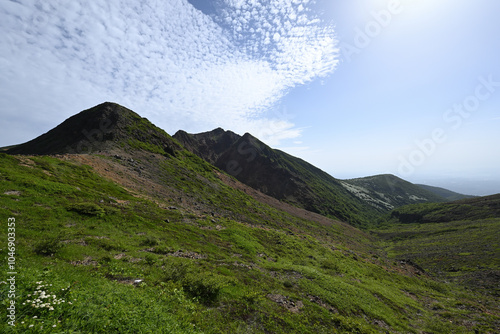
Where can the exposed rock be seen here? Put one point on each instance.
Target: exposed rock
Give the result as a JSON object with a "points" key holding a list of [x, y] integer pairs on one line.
{"points": [[290, 305]]}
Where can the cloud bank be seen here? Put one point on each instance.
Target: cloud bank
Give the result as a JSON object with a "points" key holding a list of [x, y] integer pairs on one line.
{"points": [[165, 59]]}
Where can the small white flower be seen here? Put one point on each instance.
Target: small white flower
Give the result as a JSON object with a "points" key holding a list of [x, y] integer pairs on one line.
{"points": [[31, 325], [35, 317], [54, 325], [51, 308], [70, 303]]}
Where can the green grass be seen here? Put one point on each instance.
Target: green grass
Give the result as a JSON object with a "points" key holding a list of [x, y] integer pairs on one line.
{"points": [[92, 238], [456, 250]]}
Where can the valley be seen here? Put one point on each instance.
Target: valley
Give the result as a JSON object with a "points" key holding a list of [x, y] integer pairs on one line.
{"points": [[139, 234]]}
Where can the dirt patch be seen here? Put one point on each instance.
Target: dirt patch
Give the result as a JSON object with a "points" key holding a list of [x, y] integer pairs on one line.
{"points": [[13, 193], [25, 161], [317, 300], [187, 255], [179, 253], [80, 242], [290, 305], [87, 261]]}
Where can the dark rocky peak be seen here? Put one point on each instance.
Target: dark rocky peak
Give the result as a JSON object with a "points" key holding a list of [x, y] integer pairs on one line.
{"points": [[209, 145], [103, 128]]}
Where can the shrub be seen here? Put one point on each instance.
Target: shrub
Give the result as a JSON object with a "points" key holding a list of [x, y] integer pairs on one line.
{"points": [[48, 247], [176, 270], [88, 209], [150, 259], [204, 286], [149, 241]]}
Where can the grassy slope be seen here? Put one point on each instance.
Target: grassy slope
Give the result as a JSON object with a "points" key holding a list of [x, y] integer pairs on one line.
{"points": [[454, 242], [459, 250], [247, 268], [471, 209]]}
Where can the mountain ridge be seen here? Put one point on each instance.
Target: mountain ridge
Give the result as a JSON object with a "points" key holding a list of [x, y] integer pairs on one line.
{"points": [[296, 181], [277, 174], [448, 194]]}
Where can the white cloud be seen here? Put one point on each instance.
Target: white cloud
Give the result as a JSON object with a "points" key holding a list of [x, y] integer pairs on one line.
{"points": [[165, 60]]}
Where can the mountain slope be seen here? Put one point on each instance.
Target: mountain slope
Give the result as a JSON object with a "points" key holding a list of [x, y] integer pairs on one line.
{"points": [[471, 208], [278, 174], [135, 241], [387, 192], [455, 241], [105, 127], [448, 194]]}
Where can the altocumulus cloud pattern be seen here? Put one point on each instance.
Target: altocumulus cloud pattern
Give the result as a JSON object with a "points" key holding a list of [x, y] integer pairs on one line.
{"points": [[226, 67]]}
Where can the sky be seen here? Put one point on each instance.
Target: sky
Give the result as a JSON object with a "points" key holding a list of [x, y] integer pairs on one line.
{"points": [[355, 87]]}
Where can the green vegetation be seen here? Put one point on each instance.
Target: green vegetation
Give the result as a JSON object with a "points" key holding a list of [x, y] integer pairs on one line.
{"points": [[465, 251], [472, 209], [456, 241], [120, 262]]}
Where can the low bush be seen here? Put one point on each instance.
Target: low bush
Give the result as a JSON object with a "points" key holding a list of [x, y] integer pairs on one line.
{"points": [[87, 209], [204, 286], [48, 247]]}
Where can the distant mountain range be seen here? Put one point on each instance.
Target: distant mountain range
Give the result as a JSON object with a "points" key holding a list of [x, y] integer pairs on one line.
{"points": [[445, 193]]}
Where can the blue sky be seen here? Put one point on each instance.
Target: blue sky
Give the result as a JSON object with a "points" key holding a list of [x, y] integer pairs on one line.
{"points": [[356, 87]]}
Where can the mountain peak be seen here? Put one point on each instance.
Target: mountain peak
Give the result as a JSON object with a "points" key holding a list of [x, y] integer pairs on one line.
{"points": [[209, 145], [103, 128]]}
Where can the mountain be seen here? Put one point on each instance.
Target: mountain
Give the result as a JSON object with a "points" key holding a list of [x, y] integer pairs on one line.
{"points": [[448, 194], [295, 181], [134, 236], [277, 174], [106, 127], [387, 192]]}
